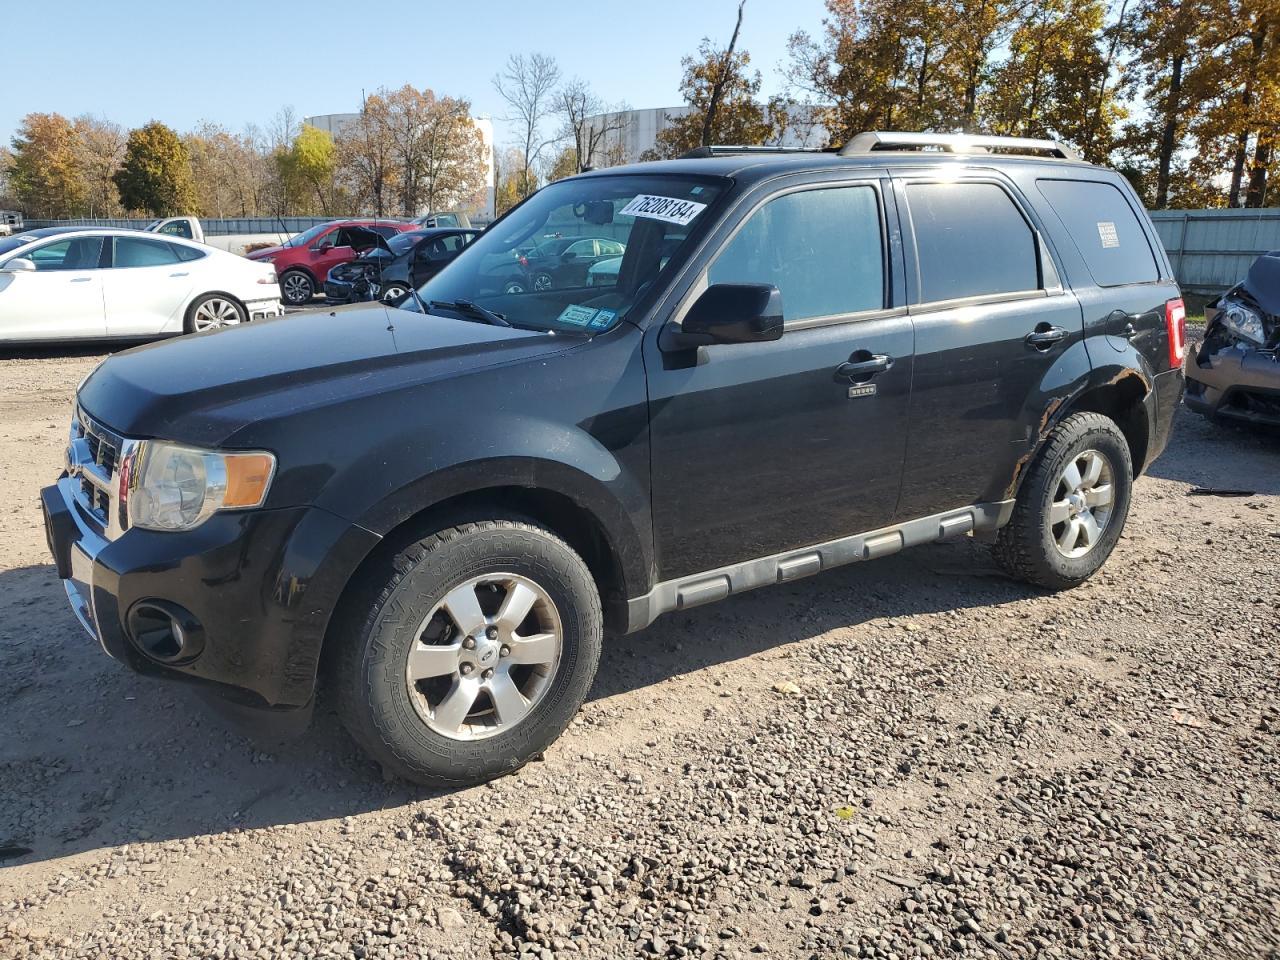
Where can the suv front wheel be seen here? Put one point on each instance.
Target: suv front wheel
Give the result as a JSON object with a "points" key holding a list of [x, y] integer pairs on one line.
{"points": [[468, 652], [1072, 505]]}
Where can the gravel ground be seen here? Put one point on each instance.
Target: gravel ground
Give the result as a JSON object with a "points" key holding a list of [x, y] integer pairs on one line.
{"points": [[914, 757]]}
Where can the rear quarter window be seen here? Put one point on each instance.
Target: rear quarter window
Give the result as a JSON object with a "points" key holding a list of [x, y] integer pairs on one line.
{"points": [[1104, 229]]}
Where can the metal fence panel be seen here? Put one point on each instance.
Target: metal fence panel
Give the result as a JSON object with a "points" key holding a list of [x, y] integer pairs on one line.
{"points": [[1212, 249], [214, 227]]}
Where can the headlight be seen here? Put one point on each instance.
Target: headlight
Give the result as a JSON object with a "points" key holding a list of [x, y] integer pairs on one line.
{"points": [[172, 487], [1243, 323]]}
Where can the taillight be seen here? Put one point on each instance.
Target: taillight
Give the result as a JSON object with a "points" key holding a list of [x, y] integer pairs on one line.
{"points": [[524, 261], [1175, 321]]}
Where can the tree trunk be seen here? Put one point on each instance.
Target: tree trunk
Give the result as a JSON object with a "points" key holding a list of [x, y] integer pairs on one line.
{"points": [[1168, 136], [717, 90], [1258, 41], [1257, 193]]}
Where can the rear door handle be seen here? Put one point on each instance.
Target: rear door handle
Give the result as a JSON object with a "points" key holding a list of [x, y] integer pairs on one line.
{"points": [[853, 369], [182, 274], [1045, 336], [81, 279]]}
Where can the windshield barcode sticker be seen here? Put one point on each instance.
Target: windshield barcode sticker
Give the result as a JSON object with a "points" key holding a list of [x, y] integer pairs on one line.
{"points": [[1107, 233], [667, 209]]}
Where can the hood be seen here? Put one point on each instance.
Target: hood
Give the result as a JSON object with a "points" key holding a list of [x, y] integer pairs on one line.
{"points": [[1263, 282], [201, 389], [265, 252]]}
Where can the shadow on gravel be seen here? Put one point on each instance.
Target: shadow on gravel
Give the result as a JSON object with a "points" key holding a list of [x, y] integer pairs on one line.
{"points": [[96, 756], [1221, 456]]}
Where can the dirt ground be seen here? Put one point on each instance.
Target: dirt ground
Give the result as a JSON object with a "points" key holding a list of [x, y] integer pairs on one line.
{"points": [[913, 757]]}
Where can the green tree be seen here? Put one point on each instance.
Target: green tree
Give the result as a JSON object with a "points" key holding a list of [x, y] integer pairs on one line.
{"points": [[45, 174], [308, 166], [156, 173]]}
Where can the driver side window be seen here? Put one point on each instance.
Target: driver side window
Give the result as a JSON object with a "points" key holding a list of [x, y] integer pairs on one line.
{"points": [[823, 248]]}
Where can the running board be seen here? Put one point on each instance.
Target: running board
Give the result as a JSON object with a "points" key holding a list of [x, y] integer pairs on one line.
{"points": [[700, 588]]}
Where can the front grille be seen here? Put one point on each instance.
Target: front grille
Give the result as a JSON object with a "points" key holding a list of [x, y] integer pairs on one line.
{"points": [[94, 458]]}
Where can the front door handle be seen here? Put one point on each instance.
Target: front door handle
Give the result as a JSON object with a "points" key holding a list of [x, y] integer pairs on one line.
{"points": [[856, 369], [182, 274], [81, 279], [1045, 336]]}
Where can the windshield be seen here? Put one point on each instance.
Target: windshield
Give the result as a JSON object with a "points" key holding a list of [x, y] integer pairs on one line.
{"points": [[13, 243], [534, 266], [304, 238], [403, 242]]}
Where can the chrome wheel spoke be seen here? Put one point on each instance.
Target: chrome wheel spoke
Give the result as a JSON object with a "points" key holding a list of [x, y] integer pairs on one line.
{"points": [[1071, 477], [463, 607], [457, 703], [1070, 535], [1092, 469], [1089, 529], [515, 607], [429, 660], [537, 649], [508, 701], [1059, 512], [1099, 496]]}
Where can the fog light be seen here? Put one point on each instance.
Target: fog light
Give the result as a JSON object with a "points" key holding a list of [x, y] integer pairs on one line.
{"points": [[165, 632]]}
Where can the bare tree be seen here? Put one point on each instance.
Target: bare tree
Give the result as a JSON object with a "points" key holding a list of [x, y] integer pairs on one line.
{"points": [[528, 86], [587, 122], [717, 88]]}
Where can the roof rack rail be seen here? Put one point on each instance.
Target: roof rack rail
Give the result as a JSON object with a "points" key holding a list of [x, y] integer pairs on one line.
{"points": [[878, 140], [729, 150]]}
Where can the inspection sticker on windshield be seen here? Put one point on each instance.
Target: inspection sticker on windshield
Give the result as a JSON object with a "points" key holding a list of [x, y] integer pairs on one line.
{"points": [[602, 319], [577, 316], [1107, 234], [668, 209]]}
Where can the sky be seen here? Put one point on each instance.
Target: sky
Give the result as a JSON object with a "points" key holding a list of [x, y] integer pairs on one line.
{"points": [[235, 62]]}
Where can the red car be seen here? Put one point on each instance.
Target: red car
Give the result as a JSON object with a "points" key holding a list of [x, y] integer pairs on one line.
{"points": [[303, 261]]}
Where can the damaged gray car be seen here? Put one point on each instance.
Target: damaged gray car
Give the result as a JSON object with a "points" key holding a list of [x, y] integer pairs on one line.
{"points": [[1236, 372]]}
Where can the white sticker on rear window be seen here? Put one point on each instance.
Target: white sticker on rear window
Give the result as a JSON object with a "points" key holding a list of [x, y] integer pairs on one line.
{"points": [[667, 209], [1107, 233]]}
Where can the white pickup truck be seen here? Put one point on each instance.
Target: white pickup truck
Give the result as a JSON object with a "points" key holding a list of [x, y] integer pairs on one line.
{"points": [[10, 223], [189, 228]]}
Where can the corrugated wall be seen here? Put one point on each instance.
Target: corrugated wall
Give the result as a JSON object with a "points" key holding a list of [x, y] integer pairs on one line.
{"points": [[1211, 249]]}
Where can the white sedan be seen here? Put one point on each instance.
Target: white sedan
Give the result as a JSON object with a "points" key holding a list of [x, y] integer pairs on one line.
{"points": [[83, 283]]}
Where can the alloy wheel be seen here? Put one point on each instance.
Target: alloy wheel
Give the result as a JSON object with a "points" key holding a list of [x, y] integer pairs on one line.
{"points": [[394, 292], [542, 282], [484, 657], [296, 288], [1082, 503], [214, 313]]}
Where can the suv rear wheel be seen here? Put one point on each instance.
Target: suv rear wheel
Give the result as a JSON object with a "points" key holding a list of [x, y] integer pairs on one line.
{"points": [[297, 288], [468, 652], [1072, 505]]}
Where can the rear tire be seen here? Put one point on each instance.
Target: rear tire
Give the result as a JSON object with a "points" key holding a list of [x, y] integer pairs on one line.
{"points": [[441, 677], [212, 312], [1072, 505]]}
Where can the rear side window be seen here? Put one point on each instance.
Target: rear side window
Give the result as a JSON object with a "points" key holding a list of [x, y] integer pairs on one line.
{"points": [[187, 254], [971, 241], [133, 252], [1105, 230], [822, 248]]}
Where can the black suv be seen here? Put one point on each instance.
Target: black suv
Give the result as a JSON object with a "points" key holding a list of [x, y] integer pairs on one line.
{"points": [[802, 360]]}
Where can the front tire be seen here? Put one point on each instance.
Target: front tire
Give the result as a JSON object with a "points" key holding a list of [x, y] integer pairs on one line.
{"points": [[1072, 505], [393, 292], [468, 652], [297, 288]]}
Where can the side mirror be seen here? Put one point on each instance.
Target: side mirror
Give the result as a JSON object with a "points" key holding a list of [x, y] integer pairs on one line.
{"points": [[18, 265], [325, 247], [568, 255], [733, 313]]}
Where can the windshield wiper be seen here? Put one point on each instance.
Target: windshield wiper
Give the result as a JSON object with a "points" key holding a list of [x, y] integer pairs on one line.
{"points": [[471, 309]]}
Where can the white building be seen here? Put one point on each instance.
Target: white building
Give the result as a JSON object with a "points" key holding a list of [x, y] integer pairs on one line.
{"points": [[635, 131], [336, 123]]}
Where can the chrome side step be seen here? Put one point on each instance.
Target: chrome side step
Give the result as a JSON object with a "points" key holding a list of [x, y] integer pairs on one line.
{"points": [[700, 588]]}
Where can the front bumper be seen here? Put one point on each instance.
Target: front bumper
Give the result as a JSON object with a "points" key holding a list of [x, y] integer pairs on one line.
{"points": [[337, 291], [261, 586], [1239, 384]]}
